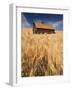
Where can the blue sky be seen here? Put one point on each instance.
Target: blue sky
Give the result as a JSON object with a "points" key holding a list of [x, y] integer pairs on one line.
{"points": [[27, 19]]}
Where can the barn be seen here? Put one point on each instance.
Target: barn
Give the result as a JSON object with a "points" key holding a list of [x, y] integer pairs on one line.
{"points": [[42, 27]]}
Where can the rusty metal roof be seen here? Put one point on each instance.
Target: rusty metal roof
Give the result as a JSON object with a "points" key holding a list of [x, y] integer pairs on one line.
{"points": [[43, 25]]}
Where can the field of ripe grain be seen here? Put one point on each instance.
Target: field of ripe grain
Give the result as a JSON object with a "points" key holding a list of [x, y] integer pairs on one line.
{"points": [[41, 54]]}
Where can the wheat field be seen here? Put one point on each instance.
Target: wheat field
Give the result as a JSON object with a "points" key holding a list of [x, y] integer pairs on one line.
{"points": [[41, 54]]}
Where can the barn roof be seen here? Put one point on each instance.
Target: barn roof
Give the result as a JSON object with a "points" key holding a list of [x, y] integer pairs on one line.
{"points": [[43, 25]]}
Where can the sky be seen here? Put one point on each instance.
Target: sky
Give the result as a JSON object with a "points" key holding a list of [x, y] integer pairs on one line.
{"points": [[56, 20]]}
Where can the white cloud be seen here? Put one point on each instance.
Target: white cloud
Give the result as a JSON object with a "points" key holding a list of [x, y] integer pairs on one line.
{"points": [[58, 24], [24, 22]]}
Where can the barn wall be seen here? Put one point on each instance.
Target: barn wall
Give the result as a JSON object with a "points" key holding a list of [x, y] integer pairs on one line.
{"points": [[44, 31]]}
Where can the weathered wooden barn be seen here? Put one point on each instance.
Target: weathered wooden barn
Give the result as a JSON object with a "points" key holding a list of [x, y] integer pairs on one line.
{"points": [[41, 27]]}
